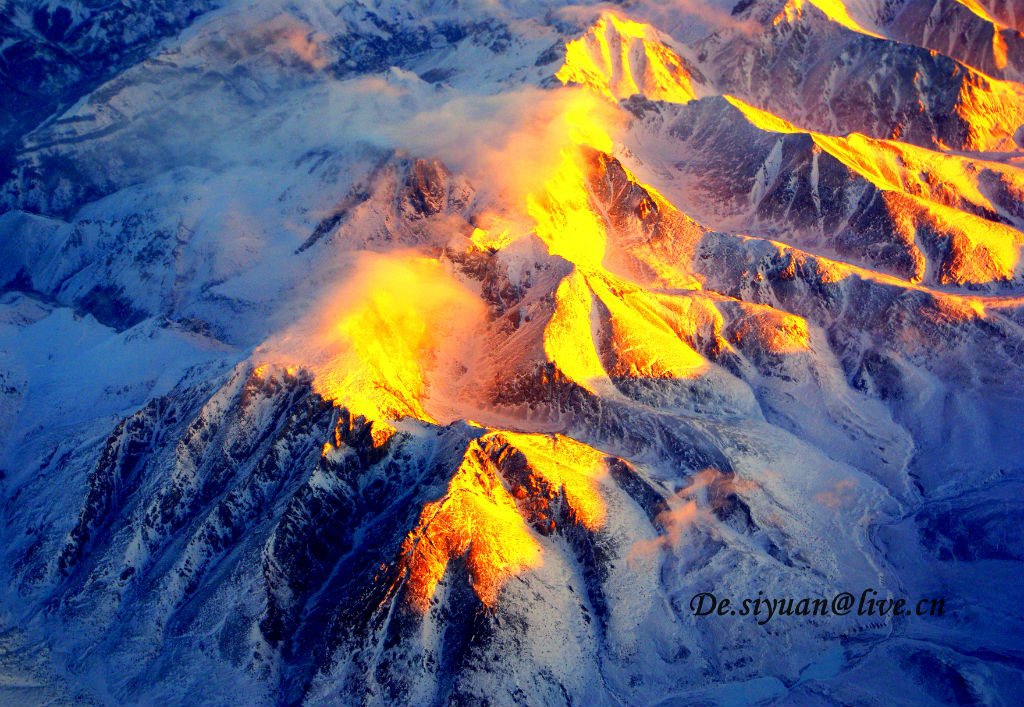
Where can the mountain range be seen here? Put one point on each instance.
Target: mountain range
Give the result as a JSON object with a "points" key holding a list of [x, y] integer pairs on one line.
{"points": [[370, 352]]}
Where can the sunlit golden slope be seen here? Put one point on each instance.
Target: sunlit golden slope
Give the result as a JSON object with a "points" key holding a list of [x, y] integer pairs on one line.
{"points": [[949, 179], [619, 58], [933, 196], [993, 111], [509, 490], [625, 331], [969, 250]]}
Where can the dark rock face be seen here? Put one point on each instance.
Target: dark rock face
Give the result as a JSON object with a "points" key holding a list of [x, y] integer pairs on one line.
{"points": [[116, 477], [192, 464], [429, 189]]}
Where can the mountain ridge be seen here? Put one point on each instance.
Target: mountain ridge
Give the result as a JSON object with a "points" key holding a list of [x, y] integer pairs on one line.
{"points": [[356, 354]]}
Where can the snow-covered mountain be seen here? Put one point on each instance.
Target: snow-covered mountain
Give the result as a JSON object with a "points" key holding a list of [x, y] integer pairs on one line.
{"points": [[440, 352]]}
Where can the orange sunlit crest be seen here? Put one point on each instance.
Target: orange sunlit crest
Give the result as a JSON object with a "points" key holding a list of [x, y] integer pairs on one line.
{"points": [[480, 519], [618, 58]]}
